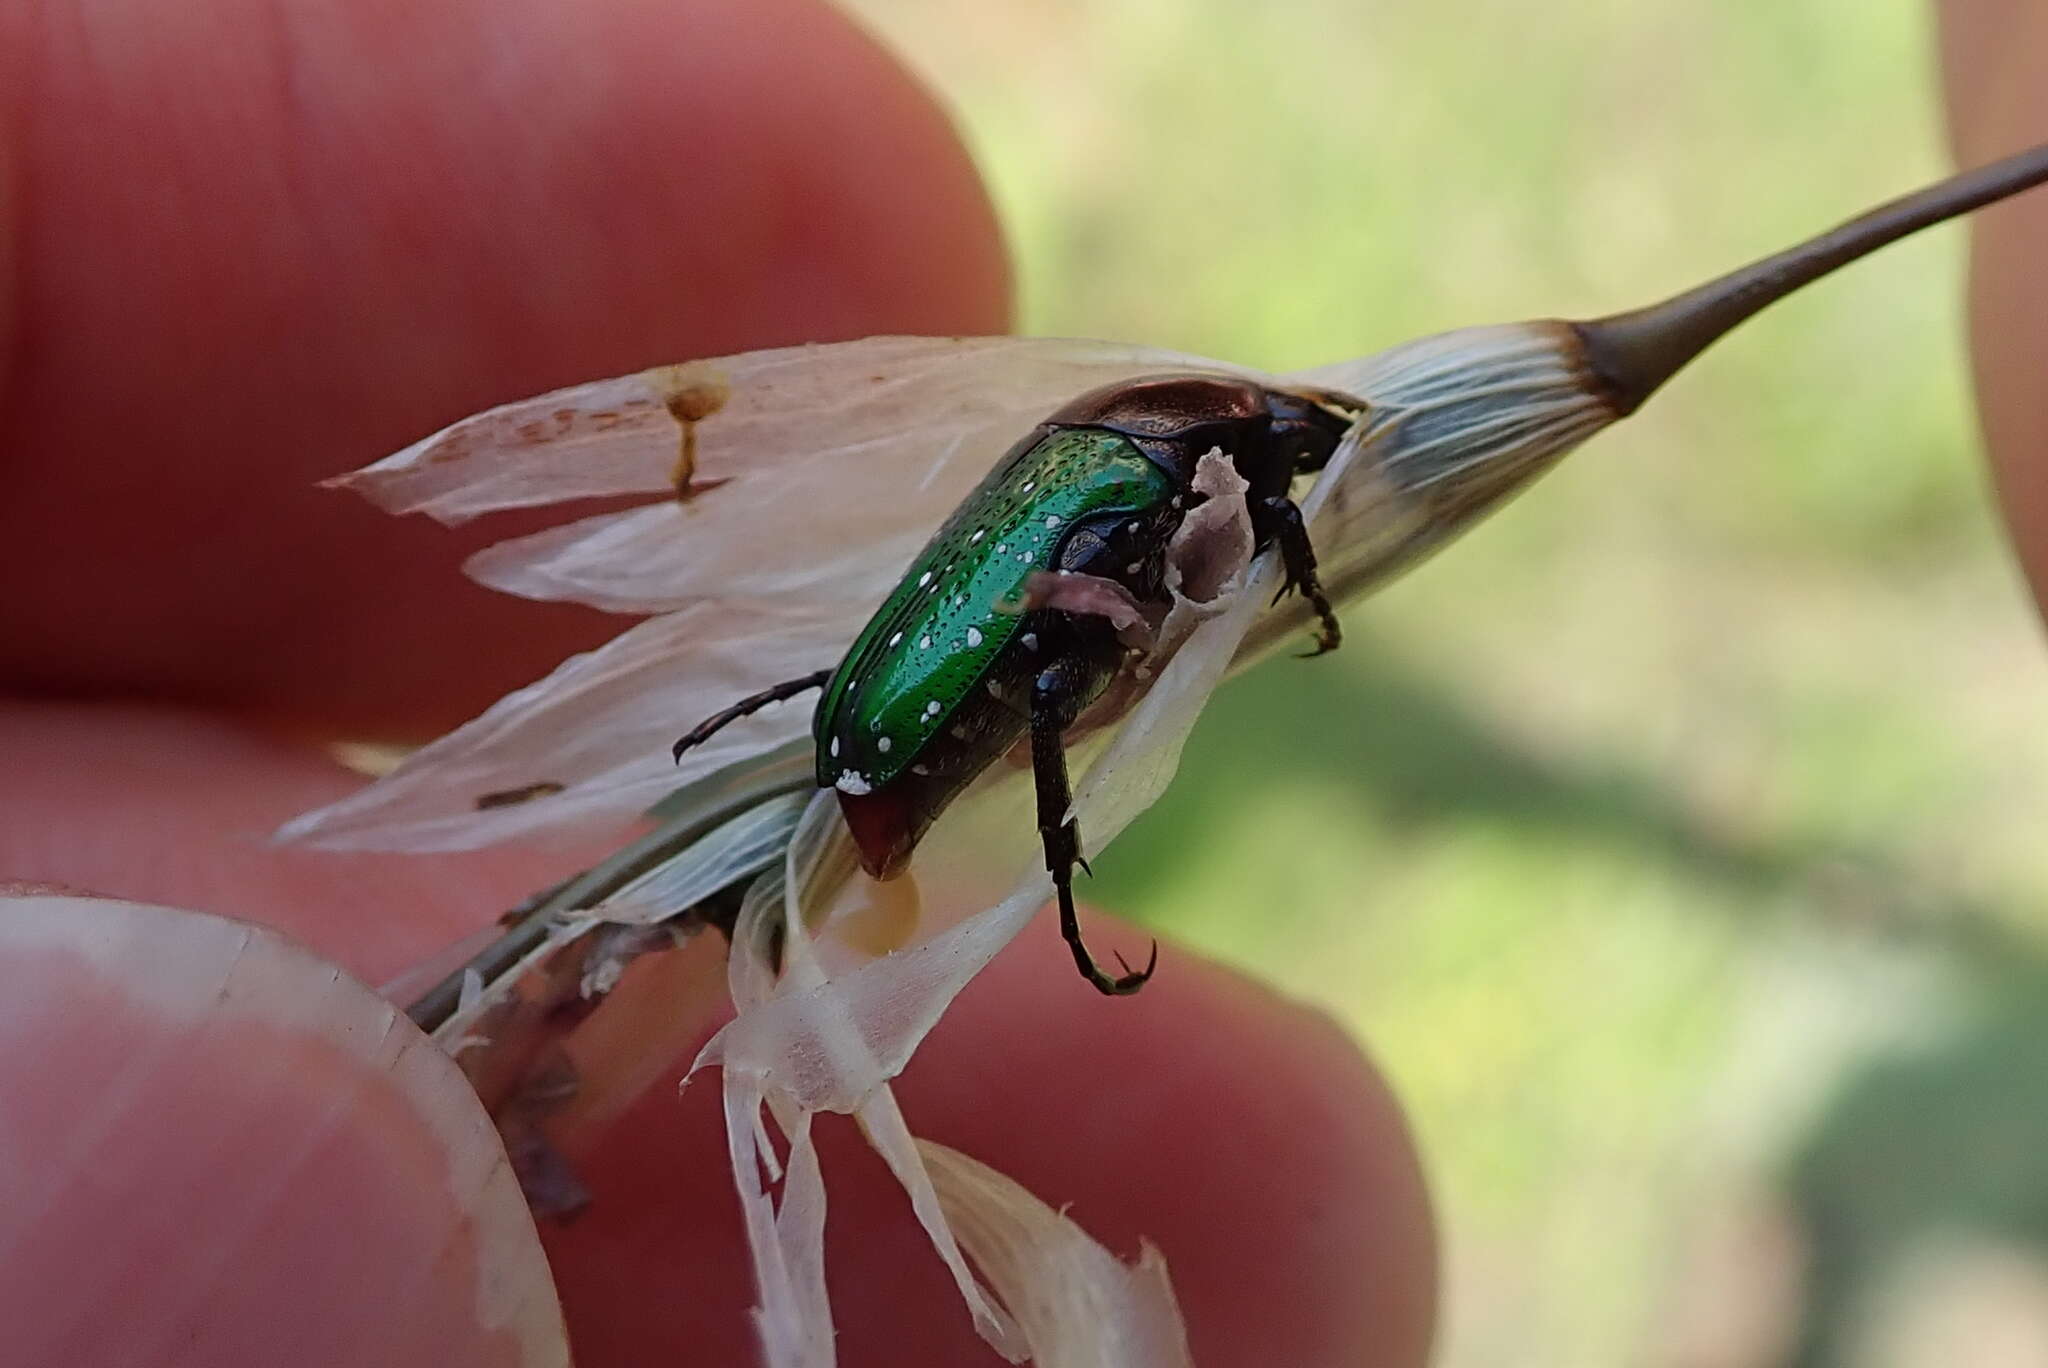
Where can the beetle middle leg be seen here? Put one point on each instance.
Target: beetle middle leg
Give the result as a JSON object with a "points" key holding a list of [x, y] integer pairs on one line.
{"points": [[1281, 518], [752, 703], [1057, 695]]}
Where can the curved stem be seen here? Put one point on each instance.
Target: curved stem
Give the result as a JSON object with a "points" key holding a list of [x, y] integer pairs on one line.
{"points": [[1633, 353]]}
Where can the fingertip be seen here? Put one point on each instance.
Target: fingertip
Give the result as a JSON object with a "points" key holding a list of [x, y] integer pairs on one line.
{"points": [[1995, 70], [222, 1150]]}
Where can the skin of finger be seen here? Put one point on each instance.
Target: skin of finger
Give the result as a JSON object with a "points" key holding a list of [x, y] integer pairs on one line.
{"points": [[222, 1152], [1244, 1137], [255, 243], [1995, 69]]}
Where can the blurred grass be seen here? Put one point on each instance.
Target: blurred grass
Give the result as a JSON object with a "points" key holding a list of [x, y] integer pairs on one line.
{"points": [[1647, 830]]}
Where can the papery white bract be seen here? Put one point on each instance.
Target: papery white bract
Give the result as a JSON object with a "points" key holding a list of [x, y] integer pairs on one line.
{"points": [[1078, 1305]]}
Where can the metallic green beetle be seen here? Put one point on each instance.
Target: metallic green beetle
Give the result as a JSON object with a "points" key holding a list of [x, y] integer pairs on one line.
{"points": [[961, 661]]}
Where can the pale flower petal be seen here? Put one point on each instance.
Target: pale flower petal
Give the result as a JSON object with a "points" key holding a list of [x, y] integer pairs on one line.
{"points": [[794, 1317], [596, 733], [814, 418], [881, 1121], [1077, 1304]]}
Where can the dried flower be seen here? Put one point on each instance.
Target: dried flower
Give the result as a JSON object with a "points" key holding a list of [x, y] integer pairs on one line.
{"points": [[794, 485]]}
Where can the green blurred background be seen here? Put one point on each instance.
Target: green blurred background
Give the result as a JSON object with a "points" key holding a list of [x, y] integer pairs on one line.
{"points": [[1675, 841]]}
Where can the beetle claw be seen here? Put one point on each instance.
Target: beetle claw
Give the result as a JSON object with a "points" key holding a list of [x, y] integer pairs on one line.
{"points": [[1130, 981], [1328, 639], [1151, 963]]}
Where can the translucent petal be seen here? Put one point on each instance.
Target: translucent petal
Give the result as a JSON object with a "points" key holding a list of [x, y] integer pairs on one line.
{"points": [[882, 1123], [787, 1239], [823, 419], [599, 727], [1077, 1304], [832, 1043], [794, 1317], [743, 846]]}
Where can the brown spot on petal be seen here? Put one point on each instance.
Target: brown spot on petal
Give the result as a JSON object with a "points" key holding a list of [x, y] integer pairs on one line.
{"points": [[453, 447], [515, 796], [691, 392]]}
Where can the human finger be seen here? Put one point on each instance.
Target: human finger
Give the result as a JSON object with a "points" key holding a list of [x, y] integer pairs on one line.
{"points": [[269, 242]]}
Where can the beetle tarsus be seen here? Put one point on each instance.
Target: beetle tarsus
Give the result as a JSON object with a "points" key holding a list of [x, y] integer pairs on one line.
{"points": [[1055, 698], [1298, 559], [752, 703], [1070, 928]]}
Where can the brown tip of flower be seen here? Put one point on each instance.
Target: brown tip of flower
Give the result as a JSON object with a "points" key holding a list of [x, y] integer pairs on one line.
{"points": [[1634, 353]]}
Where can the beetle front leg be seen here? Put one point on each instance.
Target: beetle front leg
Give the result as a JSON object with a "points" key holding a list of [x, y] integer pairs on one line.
{"points": [[748, 706], [1055, 699], [1282, 517]]}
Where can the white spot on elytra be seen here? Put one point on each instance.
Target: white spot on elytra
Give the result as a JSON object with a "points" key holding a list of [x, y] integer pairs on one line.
{"points": [[920, 769], [1052, 520], [931, 709], [924, 579], [885, 745], [1030, 485], [1134, 567], [1030, 644], [1002, 548], [979, 533], [896, 638], [853, 782], [924, 643], [974, 636], [835, 748]]}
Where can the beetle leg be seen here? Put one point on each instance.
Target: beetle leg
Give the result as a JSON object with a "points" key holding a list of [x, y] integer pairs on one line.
{"points": [[1298, 557], [1054, 697], [752, 703]]}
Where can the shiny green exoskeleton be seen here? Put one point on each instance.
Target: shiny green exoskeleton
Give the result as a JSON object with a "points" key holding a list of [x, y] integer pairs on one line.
{"points": [[961, 662], [939, 637]]}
